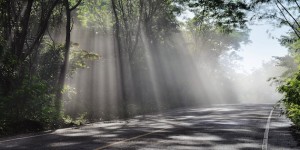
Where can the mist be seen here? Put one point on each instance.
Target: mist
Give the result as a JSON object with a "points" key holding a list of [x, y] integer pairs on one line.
{"points": [[165, 75], [66, 63]]}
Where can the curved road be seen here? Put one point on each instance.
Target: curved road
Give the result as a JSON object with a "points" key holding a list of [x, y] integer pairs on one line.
{"points": [[218, 127]]}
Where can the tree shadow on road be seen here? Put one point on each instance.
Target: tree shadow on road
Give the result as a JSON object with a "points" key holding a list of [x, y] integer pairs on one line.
{"points": [[230, 127]]}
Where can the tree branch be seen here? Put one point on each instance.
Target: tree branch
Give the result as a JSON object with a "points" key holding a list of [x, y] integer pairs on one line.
{"points": [[287, 21], [42, 30], [297, 4], [139, 27], [76, 5], [289, 13]]}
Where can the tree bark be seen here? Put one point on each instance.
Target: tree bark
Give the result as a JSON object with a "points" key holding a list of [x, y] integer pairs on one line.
{"points": [[64, 66], [120, 58], [20, 35]]}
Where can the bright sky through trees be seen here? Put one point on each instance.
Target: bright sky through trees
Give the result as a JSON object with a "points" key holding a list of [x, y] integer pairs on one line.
{"points": [[262, 48], [264, 45]]}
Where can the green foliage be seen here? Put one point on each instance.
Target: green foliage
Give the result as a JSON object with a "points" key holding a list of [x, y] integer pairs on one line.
{"points": [[79, 59], [30, 97], [31, 101], [217, 28], [226, 15], [80, 120], [290, 80], [293, 112], [213, 38], [95, 14], [51, 57], [291, 89], [30, 63]]}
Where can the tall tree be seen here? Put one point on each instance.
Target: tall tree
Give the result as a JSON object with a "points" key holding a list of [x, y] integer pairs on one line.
{"points": [[63, 70]]}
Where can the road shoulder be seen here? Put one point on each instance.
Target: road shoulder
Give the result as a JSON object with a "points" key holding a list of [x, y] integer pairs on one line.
{"points": [[281, 135]]}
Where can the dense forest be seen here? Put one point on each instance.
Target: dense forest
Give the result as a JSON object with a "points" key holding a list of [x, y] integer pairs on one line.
{"points": [[68, 62]]}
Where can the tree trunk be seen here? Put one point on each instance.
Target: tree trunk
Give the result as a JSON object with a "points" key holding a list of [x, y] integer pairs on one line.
{"points": [[64, 66], [63, 69], [120, 58], [20, 35]]}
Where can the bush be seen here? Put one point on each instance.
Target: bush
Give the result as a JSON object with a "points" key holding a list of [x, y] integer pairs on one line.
{"points": [[80, 120], [27, 90], [32, 103], [293, 112], [291, 90]]}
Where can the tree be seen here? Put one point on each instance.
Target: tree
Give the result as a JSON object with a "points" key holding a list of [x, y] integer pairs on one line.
{"points": [[33, 64], [21, 38], [286, 13], [283, 12], [63, 70], [23, 94], [229, 15]]}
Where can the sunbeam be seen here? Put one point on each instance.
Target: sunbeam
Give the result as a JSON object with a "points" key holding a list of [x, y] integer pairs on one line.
{"points": [[66, 63]]}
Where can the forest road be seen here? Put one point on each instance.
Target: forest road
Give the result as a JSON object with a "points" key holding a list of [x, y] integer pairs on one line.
{"points": [[216, 127]]}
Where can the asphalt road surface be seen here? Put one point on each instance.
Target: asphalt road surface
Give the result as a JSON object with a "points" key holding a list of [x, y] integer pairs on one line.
{"points": [[218, 127]]}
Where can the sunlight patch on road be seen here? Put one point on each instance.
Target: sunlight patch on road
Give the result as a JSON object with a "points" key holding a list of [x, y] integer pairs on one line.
{"points": [[222, 122], [205, 137], [60, 144], [109, 135], [78, 134], [112, 127], [236, 130], [182, 147]]}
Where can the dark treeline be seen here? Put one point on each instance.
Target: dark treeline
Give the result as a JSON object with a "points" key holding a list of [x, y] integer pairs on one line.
{"points": [[139, 58], [33, 65]]}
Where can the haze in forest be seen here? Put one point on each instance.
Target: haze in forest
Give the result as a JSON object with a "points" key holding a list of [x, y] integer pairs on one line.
{"points": [[114, 59], [183, 74]]}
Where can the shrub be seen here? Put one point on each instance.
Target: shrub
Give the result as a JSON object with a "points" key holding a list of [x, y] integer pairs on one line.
{"points": [[291, 90]]}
